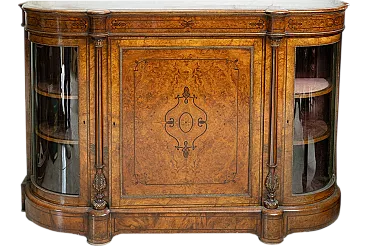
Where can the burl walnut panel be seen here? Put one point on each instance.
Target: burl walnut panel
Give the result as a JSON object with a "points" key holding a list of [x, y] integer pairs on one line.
{"points": [[190, 23], [186, 222], [178, 104], [57, 23], [165, 99], [318, 23]]}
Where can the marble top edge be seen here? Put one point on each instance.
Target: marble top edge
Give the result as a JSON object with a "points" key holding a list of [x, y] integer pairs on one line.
{"points": [[168, 6]]}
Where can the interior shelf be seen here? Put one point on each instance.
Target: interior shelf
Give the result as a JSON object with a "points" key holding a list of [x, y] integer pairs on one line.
{"points": [[313, 131], [48, 90], [311, 87], [56, 134]]}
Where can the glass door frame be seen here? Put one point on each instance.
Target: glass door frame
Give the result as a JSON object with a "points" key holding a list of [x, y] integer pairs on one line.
{"points": [[288, 197], [83, 199]]}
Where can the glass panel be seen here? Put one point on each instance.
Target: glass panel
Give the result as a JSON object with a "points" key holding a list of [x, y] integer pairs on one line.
{"points": [[55, 117], [314, 91]]}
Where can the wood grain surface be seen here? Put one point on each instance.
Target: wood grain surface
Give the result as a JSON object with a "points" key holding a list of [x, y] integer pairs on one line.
{"points": [[217, 77]]}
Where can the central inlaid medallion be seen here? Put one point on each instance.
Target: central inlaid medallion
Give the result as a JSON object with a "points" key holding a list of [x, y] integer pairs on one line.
{"points": [[186, 122]]}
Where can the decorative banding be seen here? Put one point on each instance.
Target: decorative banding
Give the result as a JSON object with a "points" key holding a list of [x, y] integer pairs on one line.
{"points": [[162, 23], [314, 24], [190, 24], [56, 23]]}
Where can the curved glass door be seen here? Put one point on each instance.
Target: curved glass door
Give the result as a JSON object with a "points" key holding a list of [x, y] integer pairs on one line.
{"points": [[314, 114], [55, 117]]}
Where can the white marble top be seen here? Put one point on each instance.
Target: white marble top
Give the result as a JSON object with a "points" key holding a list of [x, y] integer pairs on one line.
{"points": [[181, 5]]}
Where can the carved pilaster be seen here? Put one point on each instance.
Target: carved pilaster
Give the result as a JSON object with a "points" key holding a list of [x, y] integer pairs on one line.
{"points": [[98, 32], [275, 43], [98, 43], [272, 184], [99, 182], [272, 180]]}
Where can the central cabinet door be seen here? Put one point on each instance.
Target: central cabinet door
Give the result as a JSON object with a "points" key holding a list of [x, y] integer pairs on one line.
{"points": [[186, 121]]}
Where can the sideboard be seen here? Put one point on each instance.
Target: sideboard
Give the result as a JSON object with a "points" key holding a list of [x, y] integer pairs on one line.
{"points": [[144, 118]]}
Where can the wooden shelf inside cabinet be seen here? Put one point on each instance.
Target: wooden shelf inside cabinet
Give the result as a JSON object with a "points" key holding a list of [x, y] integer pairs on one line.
{"points": [[47, 90], [313, 131], [311, 87], [55, 134]]}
